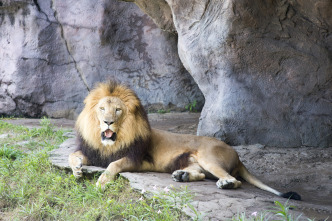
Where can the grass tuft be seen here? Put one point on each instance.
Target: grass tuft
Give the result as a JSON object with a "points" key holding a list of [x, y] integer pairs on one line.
{"points": [[280, 212], [10, 152]]}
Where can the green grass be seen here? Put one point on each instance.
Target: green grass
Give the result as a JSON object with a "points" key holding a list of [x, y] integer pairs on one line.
{"points": [[31, 188], [10, 152]]}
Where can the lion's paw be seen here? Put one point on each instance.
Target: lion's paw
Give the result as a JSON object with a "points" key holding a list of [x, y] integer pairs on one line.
{"points": [[228, 183], [103, 180], [180, 176], [77, 168]]}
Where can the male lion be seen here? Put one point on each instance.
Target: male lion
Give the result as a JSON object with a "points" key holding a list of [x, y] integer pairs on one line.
{"points": [[114, 132]]}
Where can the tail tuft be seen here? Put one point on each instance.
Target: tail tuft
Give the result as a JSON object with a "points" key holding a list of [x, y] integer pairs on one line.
{"points": [[291, 195]]}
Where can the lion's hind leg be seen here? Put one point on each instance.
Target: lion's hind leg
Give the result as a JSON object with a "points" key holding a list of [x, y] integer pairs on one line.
{"points": [[76, 161], [191, 173], [225, 180]]}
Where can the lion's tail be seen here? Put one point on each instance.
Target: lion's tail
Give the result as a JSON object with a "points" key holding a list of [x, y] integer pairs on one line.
{"points": [[245, 174]]}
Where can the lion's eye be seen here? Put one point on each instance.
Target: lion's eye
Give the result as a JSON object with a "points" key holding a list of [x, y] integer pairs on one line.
{"points": [[118, 109], [102, 108]]}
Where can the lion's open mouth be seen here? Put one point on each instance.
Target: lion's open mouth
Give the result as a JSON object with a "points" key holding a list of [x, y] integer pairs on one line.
{"points": [[108, 135]]}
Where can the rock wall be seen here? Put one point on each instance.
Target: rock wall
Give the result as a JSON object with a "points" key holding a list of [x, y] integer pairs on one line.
{"points": [[264, 67], [53, 52]]}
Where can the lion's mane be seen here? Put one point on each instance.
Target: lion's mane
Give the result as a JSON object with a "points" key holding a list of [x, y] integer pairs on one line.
{"points": [[133, 137]]}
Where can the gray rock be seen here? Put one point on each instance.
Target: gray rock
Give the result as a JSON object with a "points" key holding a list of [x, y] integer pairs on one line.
{"points": [[159, 11], [265, 69], [54, 52]]}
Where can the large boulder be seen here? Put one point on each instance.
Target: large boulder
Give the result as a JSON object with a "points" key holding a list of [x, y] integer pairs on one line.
{"points": [[264, 67], [54, 52]]}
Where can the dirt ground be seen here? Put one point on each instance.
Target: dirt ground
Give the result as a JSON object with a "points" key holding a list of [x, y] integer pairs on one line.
{"points": [[306, 170]]}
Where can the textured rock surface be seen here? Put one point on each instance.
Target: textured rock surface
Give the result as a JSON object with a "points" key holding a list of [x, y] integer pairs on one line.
{"points": [[53, 52], [159, 11], [264, 67]]}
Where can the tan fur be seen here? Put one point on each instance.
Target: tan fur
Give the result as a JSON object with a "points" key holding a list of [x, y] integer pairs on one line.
{"points": [[89, 124], [208, 157]]}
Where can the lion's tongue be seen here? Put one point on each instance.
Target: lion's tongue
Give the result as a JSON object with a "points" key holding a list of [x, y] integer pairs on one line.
{"points": [[108, 133]]}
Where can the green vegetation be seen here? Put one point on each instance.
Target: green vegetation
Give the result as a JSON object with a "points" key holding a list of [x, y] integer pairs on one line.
{"points": [[32, 189], [163, 111], [191, 106], [280, 212]]}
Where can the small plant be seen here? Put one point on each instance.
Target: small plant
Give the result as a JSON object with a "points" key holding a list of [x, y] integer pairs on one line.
{"points": [[168, 203], [46, 124], [191, 107], [162, 111], [280, 212], [255, 216], [10, 152]]}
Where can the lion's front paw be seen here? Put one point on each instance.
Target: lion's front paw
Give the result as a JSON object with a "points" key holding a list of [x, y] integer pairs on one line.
{"points": [[180, 176], [77, 167], [228, 183], [104, 179]]}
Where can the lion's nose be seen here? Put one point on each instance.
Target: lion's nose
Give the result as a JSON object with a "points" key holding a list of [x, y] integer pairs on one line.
{"points": [[108, 122]]}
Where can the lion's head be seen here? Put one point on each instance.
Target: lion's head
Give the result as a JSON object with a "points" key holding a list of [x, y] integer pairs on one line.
{"points": [[113, 118], [110, 113]]}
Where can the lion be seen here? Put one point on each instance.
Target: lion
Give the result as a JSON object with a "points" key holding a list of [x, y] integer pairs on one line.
{"points": [[113, 132]]}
